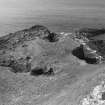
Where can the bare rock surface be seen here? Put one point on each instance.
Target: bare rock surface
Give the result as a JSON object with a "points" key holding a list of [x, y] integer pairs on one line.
{"points": [[37, 71], [92, 43], [90, 32], [20, 49]]}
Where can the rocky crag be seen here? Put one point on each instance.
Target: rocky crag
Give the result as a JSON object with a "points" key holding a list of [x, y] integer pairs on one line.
{"points": [[93, 48], [19, 50]]}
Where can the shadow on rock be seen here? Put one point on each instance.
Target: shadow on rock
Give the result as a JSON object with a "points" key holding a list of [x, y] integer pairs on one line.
{"points": [[52, 37], [79, 53], [41, 71]]}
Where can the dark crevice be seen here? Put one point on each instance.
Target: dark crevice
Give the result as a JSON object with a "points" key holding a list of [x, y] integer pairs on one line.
{"points": [[79, 53], [41, 71], [37, 72], [103, 96], [49, 72], [52, 37]]}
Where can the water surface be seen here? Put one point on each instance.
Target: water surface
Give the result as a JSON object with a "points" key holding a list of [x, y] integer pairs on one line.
{"points": [[57, 15]]}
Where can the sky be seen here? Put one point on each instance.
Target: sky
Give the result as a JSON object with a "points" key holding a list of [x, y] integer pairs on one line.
{"points": [[13, 7], [51, 4]]}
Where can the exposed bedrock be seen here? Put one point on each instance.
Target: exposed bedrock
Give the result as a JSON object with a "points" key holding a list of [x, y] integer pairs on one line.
{"points": [[79, 53], [92, 43], [89, 33], [19, 50]]}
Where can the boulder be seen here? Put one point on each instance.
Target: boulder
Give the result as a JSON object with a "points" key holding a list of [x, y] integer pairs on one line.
{"points": [[93, 48]]}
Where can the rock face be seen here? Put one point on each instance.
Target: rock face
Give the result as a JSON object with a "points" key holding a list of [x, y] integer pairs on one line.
{"points": [[18, 50], [93, 48], [89, 33]]}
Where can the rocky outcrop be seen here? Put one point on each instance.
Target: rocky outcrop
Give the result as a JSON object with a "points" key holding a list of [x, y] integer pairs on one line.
{"points": [[93, 48], [18, 50], [89, 33]]}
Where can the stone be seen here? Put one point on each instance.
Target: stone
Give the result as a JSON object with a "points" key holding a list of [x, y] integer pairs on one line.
{"points": [[93, 48]]}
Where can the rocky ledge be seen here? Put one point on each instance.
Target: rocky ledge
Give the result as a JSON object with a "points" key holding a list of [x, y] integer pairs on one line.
{"points": [[91, 44], [19, 50]]}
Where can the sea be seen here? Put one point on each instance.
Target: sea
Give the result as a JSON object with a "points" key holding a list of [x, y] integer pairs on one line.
{"points": [[56, 20]]}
